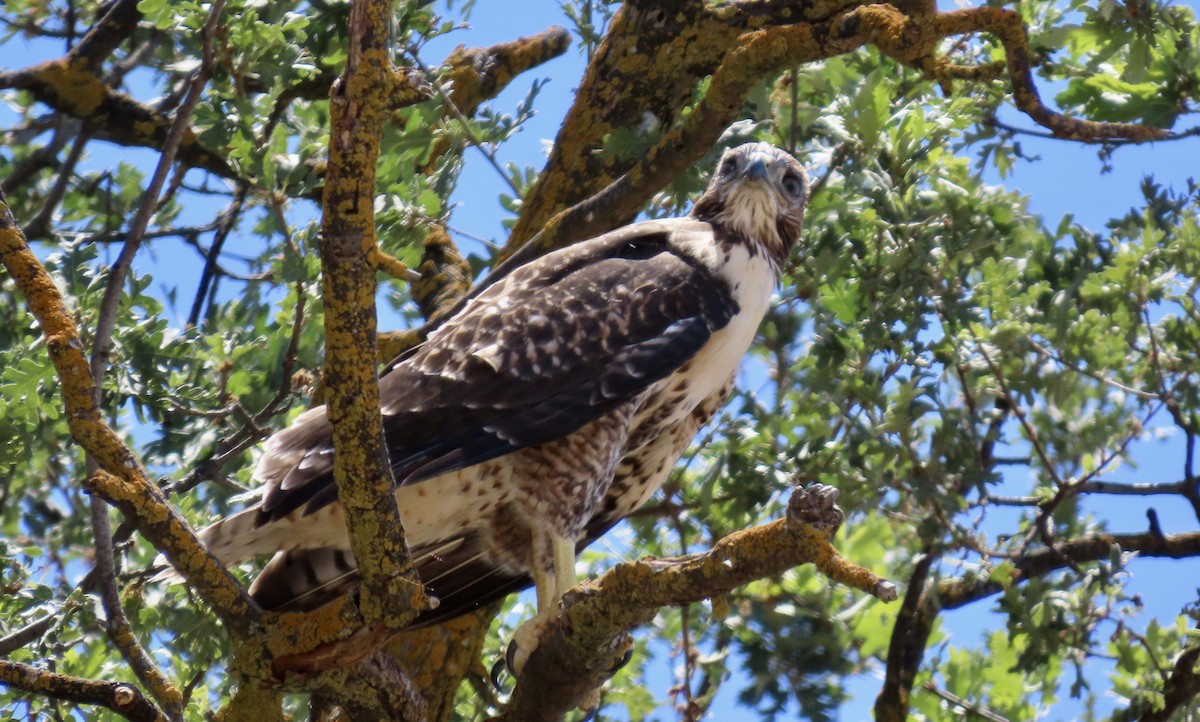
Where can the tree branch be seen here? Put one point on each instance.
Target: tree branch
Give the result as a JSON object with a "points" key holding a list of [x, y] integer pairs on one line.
{"points": [[360, 103], [619, 92], [956, 593], [578, 650], [116, 624], [375, 689], [759, 53], [1182, 686], [26, 634], [123, 480], [924, 602], [437, 658], [906, 648], [124, 699], [68, 86], [1008, 27], [645, 71], [106, 35]]}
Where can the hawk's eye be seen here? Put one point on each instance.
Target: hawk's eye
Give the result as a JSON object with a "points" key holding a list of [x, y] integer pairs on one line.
{"points": [[792, 185], [729, 166]]}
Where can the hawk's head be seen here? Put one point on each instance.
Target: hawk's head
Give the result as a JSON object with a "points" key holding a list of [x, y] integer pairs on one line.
{"points": [[757, 195]]}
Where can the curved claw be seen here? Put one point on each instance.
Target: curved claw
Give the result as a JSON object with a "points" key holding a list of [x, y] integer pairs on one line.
{"points": [[816, 505], [619, 665], [510, 658], [499, 667]]}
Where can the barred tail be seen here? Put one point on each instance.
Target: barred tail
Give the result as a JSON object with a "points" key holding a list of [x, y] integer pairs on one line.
{"points": [[232, 541]]}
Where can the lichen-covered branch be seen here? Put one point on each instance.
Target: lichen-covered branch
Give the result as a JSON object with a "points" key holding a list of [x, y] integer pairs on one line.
{"points": [[914, 43], [70, 86], [644, 72], [374, 689], [758, 54], [73, 86], [124, 699], [360, 103], [122, 481], [579, 650], [445, 276], [438, 658], [652, 59]]}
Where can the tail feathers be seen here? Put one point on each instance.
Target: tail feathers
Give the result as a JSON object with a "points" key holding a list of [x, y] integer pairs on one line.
{"points": [[240, 537], [302, 579], [456, 572], [234, 540]]}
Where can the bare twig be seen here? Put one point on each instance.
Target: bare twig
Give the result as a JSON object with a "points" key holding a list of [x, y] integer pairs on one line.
{"points": [[464, 122], [39, 225], [25, 635], [1049, 353], [969, 709], [116, 623], [225, 226]]}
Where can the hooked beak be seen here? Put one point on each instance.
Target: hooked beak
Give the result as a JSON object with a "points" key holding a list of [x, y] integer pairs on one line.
{"points": [[756, 169]]}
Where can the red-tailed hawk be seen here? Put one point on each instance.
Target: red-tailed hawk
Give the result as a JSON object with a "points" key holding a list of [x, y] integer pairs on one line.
{"points": [[549, 407]]}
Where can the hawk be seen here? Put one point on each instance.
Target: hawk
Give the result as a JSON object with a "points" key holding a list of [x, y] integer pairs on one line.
{"points": [[553, 404]]}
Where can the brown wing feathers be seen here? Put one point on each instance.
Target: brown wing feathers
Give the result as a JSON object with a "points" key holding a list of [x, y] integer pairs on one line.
{"points": [[540, 351], [580, 337]]}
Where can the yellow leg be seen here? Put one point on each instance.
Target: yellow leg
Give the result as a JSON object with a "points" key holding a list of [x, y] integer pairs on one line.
{"points": [[544, 585], [564, 568], [550, 584]]}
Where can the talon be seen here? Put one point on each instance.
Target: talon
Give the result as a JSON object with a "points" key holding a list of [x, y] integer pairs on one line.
{"points": [[620, 664], [816, 505], [525, 640], [510, 658], [499, 667]]}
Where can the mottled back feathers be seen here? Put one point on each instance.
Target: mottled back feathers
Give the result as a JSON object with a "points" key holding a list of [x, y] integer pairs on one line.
{"points": [[550, 405]]}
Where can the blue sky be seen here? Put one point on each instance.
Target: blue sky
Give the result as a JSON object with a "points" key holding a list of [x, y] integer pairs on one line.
{"points": [[1067, 179]]}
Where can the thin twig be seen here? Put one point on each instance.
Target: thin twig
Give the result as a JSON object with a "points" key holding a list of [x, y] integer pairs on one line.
{"points": [[224, 227], [1089, 373], [116, 623], [39, 225], [25, 635], [1016, 130], [464, 122], [44, 157], [255, 427], [970, 709]]}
